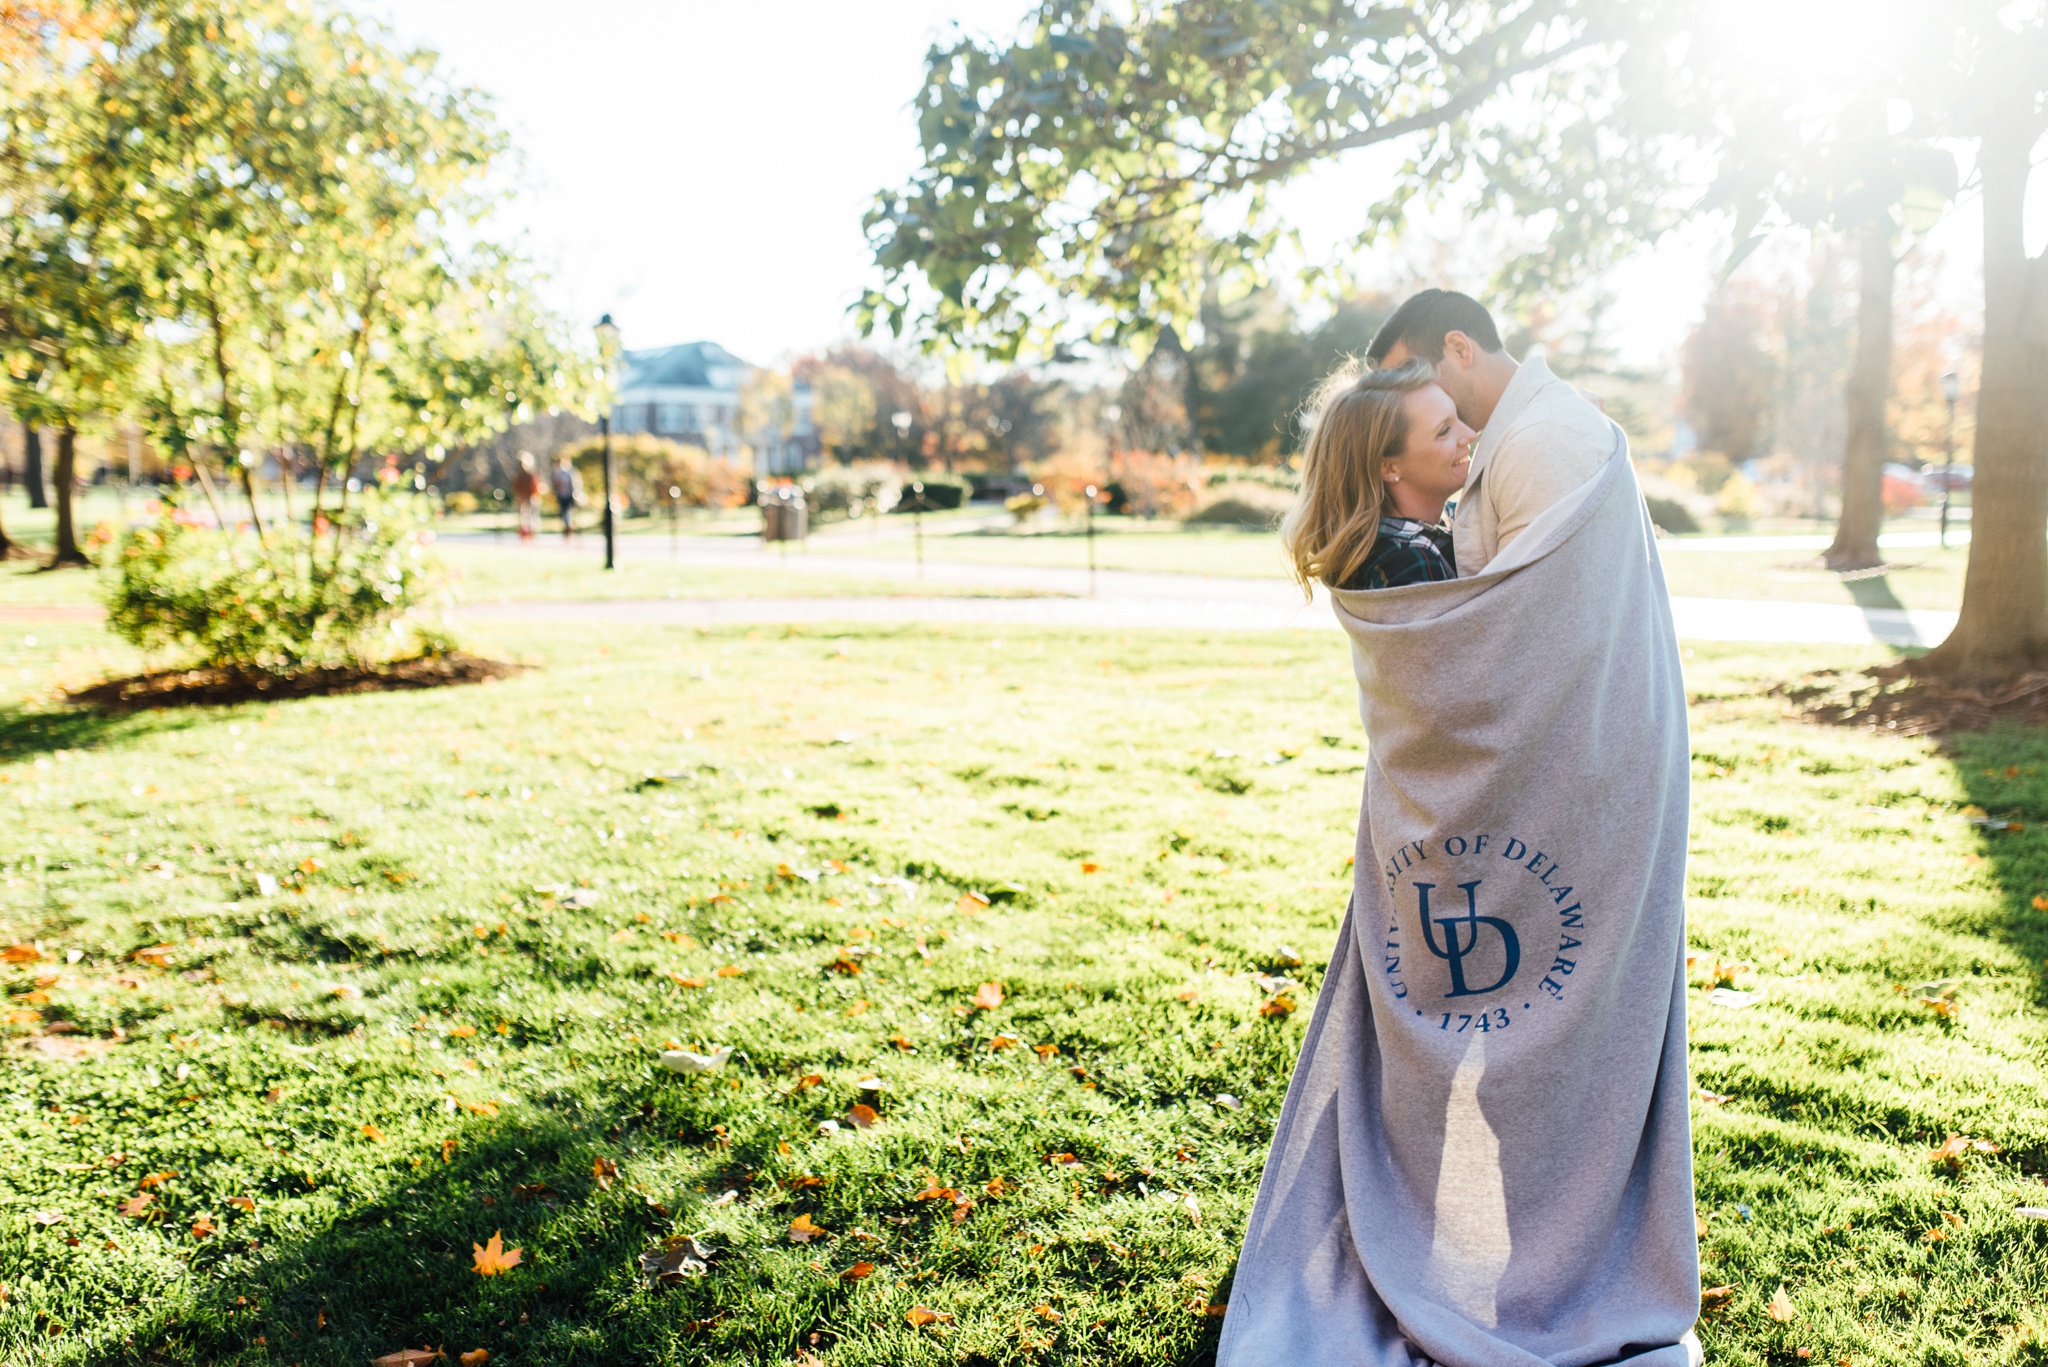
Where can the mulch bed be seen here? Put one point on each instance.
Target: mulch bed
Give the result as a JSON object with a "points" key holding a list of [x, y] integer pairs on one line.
{"points": [[1893, 699], [211, 687]]}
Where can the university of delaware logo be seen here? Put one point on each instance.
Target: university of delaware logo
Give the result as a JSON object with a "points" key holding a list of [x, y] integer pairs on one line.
{"points": [[1461, 938], [1470, 916]]}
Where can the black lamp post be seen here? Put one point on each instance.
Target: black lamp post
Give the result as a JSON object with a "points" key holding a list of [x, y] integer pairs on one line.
{"points": [[1091, 540], [1951, 390], [608, 350]]}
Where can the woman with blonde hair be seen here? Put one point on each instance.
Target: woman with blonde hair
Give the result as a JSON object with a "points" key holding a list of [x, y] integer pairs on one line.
{"points": [[1385, 453]]}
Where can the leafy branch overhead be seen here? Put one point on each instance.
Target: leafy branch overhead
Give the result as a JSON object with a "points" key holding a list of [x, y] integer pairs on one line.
{"points": [[1125, 165]]}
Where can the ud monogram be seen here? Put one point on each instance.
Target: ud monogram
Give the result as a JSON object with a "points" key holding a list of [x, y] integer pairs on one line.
{"points": [[1461, 937]]}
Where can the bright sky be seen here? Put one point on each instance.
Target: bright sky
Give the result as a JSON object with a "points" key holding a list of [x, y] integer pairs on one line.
{"points": [[699, 170]]}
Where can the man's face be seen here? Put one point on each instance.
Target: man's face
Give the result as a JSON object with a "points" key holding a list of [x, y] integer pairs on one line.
{"points": [[1454, 374]]}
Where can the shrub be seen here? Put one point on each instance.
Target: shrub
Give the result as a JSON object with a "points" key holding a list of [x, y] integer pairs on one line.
{"points": [[1277, 476], [940, 492], [848, 491], [460, 502], [1737, 503], [279, 602], [1148, 484], [1671, 515], [1243, 505], [649, 466]]}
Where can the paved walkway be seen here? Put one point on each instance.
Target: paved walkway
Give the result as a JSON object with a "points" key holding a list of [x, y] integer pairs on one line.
{"points": [[1233, 608]]}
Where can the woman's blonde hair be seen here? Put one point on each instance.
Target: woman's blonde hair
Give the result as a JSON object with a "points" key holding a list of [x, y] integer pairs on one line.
{"points": [[1356, 421]]}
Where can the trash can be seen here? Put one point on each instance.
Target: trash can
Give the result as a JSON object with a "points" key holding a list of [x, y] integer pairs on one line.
{"points": [[784, 514]]}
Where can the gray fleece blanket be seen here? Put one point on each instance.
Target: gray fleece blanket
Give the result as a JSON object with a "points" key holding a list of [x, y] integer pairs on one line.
{"points": [[1484, 1158]]}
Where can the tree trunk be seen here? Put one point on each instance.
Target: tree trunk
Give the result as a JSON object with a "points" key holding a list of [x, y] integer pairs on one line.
{"points": [[66, 481], [2003, 628], [32, 466], [1870, 389]]}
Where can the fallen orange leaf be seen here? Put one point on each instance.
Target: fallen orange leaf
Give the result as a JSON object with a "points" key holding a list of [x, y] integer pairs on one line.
{"points": [[203, 1226], [136, 1205], [448, 1150], [731, 971], [493, 1257], [407, 1357], [604, 1170], [1714, 1298], [920, 1316], [862, 1115], [243, 1203], [20, 954], [154, 1179], [1090, 868], [972, 902], [937, 1193], [858, 1272], [463, 1031], [371, 1132], [996, 1187], [989, 996], [681, 981], [1279, 1005], [806, 1082], [859, 1006], [475, 1357], [902, 1041], [803, 1229]]}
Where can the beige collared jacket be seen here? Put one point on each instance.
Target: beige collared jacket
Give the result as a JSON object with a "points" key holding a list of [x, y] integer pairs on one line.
{"points": [[1543, 441]]}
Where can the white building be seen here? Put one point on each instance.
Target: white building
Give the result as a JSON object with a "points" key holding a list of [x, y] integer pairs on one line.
{"points": [[691, 394]]}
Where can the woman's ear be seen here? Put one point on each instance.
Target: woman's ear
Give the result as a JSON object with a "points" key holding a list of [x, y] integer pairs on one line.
{"points": [[1388, 474]]}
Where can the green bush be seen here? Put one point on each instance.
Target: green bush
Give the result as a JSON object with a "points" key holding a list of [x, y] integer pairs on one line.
{"points": [[1671, 515], [840, 492], [280, 603], [1243, 505], [940, 492]]}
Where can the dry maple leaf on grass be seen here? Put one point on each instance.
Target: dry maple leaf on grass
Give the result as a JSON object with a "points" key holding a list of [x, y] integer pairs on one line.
{"points": [[407, 1357], [1780, 1306], [475, 1357], [604, 1170], [803, 1229], [920, 1316], [858, 1272], [679, 1256], [1713, 1298], [988, 996], [493, 1257]]}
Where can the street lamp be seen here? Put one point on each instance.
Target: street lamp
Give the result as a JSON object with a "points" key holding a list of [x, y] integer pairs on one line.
{"points": [[1951, 390], [608, 351], [917, 522], [1090, 491]]}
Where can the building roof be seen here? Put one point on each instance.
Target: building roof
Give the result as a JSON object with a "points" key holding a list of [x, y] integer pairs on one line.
{"points": [[686, 366]]}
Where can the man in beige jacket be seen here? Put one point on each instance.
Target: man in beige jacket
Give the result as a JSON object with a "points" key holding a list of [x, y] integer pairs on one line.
{"points": [[1539, 438]]}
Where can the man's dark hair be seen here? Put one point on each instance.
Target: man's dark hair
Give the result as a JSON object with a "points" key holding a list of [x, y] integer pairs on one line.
{"points": [[1422, 321]]}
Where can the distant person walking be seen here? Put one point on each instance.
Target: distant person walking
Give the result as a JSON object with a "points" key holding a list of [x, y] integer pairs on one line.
{"points": [[568, 491], [526, 495]]}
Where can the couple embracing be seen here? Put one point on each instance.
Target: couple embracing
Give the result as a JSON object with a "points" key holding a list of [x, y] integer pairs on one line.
{"points": [[1484, 1156]]}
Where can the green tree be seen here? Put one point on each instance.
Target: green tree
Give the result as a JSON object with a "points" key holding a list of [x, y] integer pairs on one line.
{"points": [[69, 288], [1125, 164]]}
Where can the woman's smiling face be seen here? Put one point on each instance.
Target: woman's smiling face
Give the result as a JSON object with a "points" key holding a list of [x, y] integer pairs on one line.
{"points": [[1439, 449]]}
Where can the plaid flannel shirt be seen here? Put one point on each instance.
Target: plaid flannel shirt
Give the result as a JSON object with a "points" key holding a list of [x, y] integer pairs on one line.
{"points": [[1406, 552]]}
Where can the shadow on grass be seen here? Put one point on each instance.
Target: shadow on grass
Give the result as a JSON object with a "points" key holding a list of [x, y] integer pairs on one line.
{"points": [[396, 1268], [28, 732], [2005, 772]]}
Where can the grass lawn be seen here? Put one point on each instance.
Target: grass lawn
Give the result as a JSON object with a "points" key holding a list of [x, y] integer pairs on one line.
{"points": [[1925, 577], [315, 998]]}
